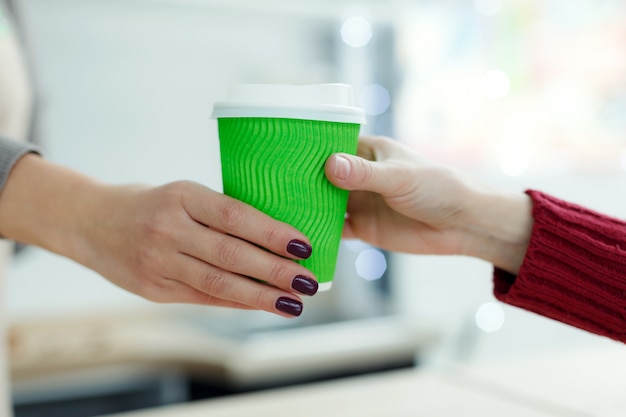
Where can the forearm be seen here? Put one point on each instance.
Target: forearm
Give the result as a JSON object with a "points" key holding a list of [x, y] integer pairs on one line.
{"points": [[47, 205], [574, 268]]}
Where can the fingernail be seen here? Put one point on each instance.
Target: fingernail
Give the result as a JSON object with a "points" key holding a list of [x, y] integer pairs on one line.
{"points": [[289, 306], [299, 249], [342, 167], [305, 285]]}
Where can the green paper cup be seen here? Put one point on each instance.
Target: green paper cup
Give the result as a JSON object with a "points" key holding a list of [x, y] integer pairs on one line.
{"points": [[274, 142]]}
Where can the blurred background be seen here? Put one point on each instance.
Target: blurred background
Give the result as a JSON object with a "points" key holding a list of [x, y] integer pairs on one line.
{"points": [[522, 93]]}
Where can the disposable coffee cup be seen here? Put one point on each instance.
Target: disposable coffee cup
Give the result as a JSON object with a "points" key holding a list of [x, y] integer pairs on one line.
{"points": [[274, 142]]}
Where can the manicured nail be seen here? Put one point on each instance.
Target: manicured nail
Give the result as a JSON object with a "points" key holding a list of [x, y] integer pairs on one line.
{"points": [[299, 249], [342, 168], [289, 306], [305, 285]]}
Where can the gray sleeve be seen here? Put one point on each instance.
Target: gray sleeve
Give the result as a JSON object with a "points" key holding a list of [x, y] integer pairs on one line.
{"points": [[10, 152]]}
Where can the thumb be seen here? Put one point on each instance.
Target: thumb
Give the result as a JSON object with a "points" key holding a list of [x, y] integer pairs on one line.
{"points": [[355, 173]]}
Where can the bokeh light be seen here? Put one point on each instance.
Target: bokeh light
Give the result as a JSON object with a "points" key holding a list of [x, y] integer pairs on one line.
{"points": [[356, 31], [374, 99], [370, 264], [489, 317]]}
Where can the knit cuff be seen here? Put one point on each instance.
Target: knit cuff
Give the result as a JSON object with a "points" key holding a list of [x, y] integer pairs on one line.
{"points": [[10, 152], [574, 270]]}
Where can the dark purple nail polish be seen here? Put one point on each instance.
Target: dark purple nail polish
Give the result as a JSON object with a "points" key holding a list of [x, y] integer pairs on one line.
{"points": [[289, 306], [299, 249], [305, 285]]}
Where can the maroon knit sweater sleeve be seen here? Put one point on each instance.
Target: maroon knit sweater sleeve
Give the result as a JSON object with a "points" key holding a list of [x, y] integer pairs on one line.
{"points": [[574, 270]]}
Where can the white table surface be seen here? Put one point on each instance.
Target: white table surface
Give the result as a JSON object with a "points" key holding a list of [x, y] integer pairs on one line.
{"points": [[583, 382], [395, 394], [590, 381]]}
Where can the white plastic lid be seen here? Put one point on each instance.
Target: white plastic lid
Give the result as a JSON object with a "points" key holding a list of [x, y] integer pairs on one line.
{"points": [[325, 102]]}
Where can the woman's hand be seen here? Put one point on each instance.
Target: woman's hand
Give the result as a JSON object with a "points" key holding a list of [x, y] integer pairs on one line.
{"points": [[404, 202], [178, 243], [185, 243]]}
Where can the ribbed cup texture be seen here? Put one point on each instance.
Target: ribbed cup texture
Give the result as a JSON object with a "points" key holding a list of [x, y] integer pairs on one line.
{"points": [[277, 166], [574, 270]]}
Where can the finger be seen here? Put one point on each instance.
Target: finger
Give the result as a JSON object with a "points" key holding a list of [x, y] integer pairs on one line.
{"points": [[367, 147], [239, 219], [348, 231], [229, 286], [362, 215], [242, 258], [371, 170], [355, 173], [173, 291]]}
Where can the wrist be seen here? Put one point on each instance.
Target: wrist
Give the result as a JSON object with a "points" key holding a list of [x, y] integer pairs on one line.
{"points": [[44, 204], [499, 228], [102, 225]]}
